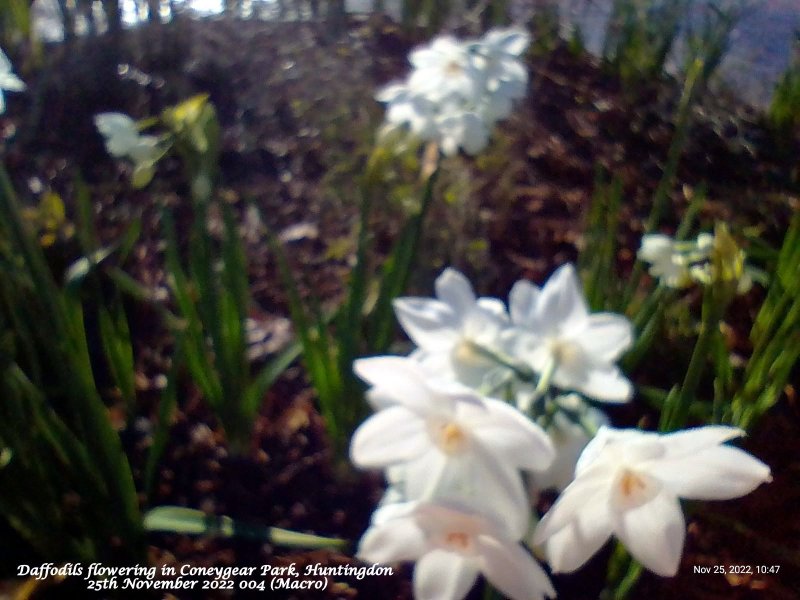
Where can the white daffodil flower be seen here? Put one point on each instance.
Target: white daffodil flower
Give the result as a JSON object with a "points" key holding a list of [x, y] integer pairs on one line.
{"points": [[123, 139], [562, 340], [665, 263], [445, 69], [454, 331], [8, 81], [452, 443], [627, 484], [457, 90], [675, 263], [569, 439], [452, 546]]}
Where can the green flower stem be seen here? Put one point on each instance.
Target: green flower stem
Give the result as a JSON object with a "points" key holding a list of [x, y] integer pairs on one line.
{"points": [[676, 413], [623, 574], [542, 387], [661, 195]]}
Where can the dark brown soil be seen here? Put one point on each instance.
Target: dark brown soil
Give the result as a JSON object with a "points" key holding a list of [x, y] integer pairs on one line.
{"points": [[297, 111]]}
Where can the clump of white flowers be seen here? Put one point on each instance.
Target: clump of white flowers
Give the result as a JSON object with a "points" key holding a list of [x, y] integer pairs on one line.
{"points": [[8, 80], [709, 258], [674, 263], [458, 90], [495, 401]]}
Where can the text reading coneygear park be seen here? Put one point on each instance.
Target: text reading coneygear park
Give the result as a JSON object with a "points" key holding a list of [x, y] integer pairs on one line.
{"points": [[98, 576]]}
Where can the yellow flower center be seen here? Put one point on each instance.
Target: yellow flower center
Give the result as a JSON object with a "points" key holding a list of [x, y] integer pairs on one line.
{"points": [[450, 438], [631, 484], [633, 489], [458, 540], [565, 353], [452, 69], [468, 353]]}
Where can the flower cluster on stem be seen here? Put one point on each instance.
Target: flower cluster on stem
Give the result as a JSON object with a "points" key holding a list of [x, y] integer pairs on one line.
{"points": [[458, 90], [496, 400]]}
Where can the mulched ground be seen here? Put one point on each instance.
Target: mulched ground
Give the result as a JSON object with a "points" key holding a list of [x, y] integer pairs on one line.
{"points": [[296, 106]]}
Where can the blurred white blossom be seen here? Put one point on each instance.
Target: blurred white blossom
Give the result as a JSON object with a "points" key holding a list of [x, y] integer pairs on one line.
{"points": [[123, 139], [458, 90], [451, 443], [672, 261], [456, 332], [452, 545], [628, 483], [8, 80], [560, 339]]}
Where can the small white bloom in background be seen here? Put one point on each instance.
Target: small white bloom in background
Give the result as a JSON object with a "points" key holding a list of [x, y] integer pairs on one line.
{"points": [[665, 263], [674, 263], [569, 439], [458, 90], [8, 81], [452, 546], [451, 443], [559, 335], [627, 484], [451, 330], [123, 139]]}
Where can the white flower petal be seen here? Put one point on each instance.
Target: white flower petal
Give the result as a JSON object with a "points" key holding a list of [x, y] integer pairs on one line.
{"points": [[512, 570], [389, 436], [442, 575], [426, 477], [392, 540], [606, 337], [507, 431], [455, 290], [511, 41], [587, 493], [606, 384], [689, 442], [431, 324], [481, 481], [560, 301], [12, 83], [522, 301], [397, 379], [656, 248], [572, 546], [495, 307], [653, 533], [719, 473]]}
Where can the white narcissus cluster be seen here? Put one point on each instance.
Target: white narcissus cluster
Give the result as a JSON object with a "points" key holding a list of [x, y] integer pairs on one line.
{"points": [[679, 264], [490, 393], [671, 261], [458, 90]]}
